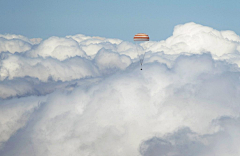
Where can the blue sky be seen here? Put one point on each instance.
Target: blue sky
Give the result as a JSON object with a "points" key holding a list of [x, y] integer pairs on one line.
{"points": [[114, 19]]}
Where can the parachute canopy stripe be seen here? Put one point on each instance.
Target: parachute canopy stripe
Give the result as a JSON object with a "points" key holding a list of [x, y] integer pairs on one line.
{"points": [[141, 37]]}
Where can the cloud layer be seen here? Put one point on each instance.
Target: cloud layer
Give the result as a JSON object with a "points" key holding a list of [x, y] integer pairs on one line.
{"points": [[82, 95]]}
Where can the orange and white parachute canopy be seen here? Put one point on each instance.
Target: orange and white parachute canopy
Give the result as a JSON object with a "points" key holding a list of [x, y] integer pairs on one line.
{"points": [[141, 37]]}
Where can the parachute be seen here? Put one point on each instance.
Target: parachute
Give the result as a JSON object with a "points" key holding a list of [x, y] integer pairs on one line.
{"points": [[138, 39]]}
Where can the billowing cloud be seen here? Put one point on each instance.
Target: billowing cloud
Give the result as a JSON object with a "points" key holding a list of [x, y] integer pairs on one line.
{"points": [[107, 61], [60, 48], [195, 38], [184, 142], [83, 95], [15, 66], [13, 36], [14, 45], [15, 114]]}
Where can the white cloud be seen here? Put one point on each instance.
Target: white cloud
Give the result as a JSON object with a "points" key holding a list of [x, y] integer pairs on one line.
{"points": [[195, 38], [108, 61], [56, 47], [83, 95], [28, 86], [14, 114], [184, 142], [15, 66], [92, 49], [116, 115], [35, 40], [91, 45], [13, 36], [127, 48], [14, 45]]}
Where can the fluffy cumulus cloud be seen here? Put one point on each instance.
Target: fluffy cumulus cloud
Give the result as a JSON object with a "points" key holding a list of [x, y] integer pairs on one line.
{"points": [[109, 61], [84, 95], [195, 38], [55, 47], [16, 43], [14, 66]]}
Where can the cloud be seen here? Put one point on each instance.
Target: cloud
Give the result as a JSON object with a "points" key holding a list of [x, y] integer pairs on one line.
{"points": [[15, 114], [13, 36], [17, 66], [83, 95], [113, 118], [195, 38], [107, 61], [184, 142], [28, 86], [56, 47], [181, 143], [91, 45], [127, 49], [14, 45]]}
